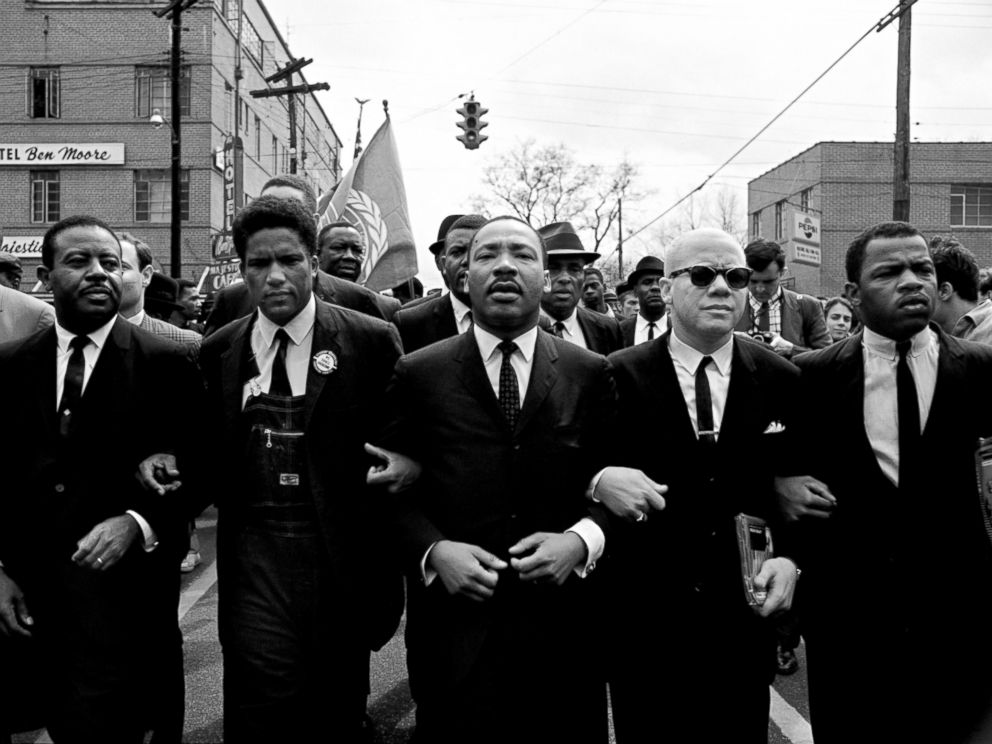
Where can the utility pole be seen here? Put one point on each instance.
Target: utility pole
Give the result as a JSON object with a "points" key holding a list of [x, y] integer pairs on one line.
{"points": [[900, 176], [620, 236], [286, 73], [175, 12], [238, 143]]}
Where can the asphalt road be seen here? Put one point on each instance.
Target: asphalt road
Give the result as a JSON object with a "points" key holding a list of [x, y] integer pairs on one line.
{"points": [[389, 704]]}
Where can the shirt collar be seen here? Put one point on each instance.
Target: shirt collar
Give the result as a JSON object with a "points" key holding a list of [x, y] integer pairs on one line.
{"points": [[98, 337], [488, 343], [643, 322], [571, 323], [757, 305], [298, 328], [689, 358], [885, 347], [459, 307], [137, 319]]}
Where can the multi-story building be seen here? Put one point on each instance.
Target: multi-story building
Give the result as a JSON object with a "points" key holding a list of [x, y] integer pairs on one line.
{"points": [[79, 82], [815, 203]]}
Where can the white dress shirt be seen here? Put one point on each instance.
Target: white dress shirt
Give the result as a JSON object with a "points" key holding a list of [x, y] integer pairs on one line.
{"points": [[686, 361], [264, 347], [572, 331], [643, 325], [463, 321], [522, 362], [137, 318], [91, 353], [881, 404]]}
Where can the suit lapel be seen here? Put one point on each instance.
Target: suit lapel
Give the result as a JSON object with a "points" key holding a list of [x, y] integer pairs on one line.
{"points": [[444, 318], [472, 373], [42, 369], [588, 330], [740, 397], [324, 339], [949, 396], [668, 389], [108, 384], [237, 367], [543, 374], [791, 318]]}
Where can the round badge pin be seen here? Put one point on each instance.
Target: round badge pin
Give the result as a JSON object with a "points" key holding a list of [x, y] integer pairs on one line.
{"points": [[324, 362]]}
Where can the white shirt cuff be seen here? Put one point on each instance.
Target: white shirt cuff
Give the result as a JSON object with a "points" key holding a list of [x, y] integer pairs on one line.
{"points": [[427, 575], [150, 538], [592, 535], [591, 490]]}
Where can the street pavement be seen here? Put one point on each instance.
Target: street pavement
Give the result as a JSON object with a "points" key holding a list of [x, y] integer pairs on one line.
{"points": [[389, 704]]}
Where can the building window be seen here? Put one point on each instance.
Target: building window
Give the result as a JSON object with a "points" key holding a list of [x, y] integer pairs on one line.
{"points": [[244, 115], [153, 90], [804, 197], [779, 220], [45, 196], [971, 206], [153, 195], [252, 42], [43, 93], [258, 139], [756, 224]]}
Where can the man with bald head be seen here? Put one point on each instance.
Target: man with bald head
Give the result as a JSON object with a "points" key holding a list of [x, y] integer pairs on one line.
{"points": [[509, 425], [702, 405]]}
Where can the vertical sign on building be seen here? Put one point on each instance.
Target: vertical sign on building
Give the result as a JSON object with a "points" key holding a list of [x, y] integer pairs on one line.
{"points": [[223, 244], [805, 239]]}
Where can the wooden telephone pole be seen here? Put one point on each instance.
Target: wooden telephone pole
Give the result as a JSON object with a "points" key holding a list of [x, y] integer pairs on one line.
{"points": [[900, 175], [291, 91]]}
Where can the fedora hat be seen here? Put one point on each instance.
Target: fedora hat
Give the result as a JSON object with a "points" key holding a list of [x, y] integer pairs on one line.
{"points": [[647, 265], [438, 245], [562, 241]]}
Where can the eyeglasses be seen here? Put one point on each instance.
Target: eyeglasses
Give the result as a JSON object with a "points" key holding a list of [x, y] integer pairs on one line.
{"points": [[703, 276]]}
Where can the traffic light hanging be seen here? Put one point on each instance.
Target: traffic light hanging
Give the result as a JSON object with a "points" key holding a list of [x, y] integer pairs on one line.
{"points": [[472, 124]]}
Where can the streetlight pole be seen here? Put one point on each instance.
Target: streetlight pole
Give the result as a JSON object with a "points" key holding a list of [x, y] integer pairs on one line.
{"points": [[175, 245]]}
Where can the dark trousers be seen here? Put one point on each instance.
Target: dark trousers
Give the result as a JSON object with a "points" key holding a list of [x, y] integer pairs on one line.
{"points": [[294, 667]]}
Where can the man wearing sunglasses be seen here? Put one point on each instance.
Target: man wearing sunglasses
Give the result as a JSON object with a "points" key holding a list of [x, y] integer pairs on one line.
{"points": [[789, 322], [702, 404]]}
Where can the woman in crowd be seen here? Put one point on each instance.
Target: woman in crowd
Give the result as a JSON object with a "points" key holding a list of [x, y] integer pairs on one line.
{"points": [[840, 318]]}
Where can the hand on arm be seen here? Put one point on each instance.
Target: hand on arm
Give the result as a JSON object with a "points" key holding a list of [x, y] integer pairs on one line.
{"points": [[107, 543], [777, 577], [803, 496], [549, 556], [782, 347], [629, 493], [398, 473], [159, 473], [465, 569], [14, 616]]}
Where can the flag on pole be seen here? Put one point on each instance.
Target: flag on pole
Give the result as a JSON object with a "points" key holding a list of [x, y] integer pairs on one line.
{"points": [[372, 197]]}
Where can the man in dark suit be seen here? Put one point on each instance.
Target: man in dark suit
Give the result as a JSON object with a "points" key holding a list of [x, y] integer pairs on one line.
{"points": [[235, 301], [509, 425], [340, 254], [567, 261], [701, 406], [895, 555], [450, 314], [650, 321], [789, 322], [22, 315], [306, 584], [89, 557]]}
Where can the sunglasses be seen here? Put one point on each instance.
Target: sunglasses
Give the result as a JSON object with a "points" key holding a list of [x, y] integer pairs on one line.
{"points": [[703, 276]]}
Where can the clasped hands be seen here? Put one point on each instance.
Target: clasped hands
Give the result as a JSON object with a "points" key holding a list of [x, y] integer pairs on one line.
{"points": [[473, 572]]}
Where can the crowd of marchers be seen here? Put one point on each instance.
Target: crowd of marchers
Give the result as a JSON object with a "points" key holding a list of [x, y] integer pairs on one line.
{"points": [[545, 476]]}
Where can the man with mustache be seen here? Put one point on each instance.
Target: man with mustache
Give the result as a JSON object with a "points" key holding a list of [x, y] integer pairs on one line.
{"points": [[509, 424], [88, 557], [895, 554], [649, 322], [450, 314], [701, 405]]}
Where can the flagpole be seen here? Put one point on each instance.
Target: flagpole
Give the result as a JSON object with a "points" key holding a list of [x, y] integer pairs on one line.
{"points": [[358, 129]]}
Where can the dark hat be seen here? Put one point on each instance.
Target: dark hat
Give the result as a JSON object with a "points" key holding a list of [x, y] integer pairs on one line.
{"points": [[437, 246], [161, 293], [647, 265], [562, 241], [9, 262], [622, 287]]}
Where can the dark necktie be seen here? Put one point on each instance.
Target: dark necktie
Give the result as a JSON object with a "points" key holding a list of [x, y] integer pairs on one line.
{"points": [[72, 386], [559, 329], [704, 404], [280, 379], [651, 327], [909, 413], [763, 320], [509, 390]]}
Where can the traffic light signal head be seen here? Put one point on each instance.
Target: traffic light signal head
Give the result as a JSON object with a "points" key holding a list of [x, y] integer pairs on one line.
{"points": [[472, 124]]}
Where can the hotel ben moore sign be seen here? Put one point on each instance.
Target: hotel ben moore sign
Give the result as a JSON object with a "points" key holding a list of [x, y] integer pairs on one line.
{"points": [[62, 153]]}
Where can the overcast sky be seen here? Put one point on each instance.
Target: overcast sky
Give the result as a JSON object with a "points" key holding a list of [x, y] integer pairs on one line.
{"points": [[675, 86]]}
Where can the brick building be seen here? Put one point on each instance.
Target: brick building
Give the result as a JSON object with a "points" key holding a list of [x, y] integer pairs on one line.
{"points": [[815, 203], [79, 81]]}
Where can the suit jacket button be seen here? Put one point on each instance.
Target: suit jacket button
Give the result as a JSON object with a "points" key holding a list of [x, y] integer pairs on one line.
{"points": [[59, 488], [516, 448]]}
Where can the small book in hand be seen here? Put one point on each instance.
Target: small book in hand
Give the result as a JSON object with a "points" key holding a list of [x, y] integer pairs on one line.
{"points": [[754, 543]]}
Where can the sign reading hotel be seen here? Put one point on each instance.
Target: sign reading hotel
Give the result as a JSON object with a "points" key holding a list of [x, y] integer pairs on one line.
{"points": [[806, 238], [22, 246], [62, 153]]}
